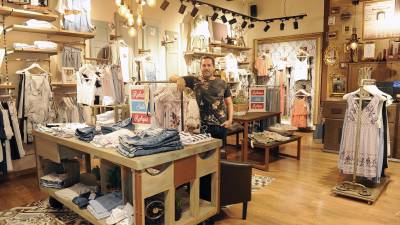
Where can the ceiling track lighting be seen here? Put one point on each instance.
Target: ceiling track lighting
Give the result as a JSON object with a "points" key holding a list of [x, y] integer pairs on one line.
{"points": [[232, 21], [296, 24], [182, 8], [214, 16], [282, 25], [194, 12], [224, 19], [251, 25], [164, 5], [267, 27], [244, 24]]}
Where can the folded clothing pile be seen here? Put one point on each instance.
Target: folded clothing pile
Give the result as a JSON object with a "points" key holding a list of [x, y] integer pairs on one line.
{"points": [[105, 118], [54, 180], [267, 137], [110, 140], [78, 194], [86, 133], [146, 144], [65, 130], [191, 139], [101, 207], [124, 124], [123, 214], [33, 23], [60, 175]]}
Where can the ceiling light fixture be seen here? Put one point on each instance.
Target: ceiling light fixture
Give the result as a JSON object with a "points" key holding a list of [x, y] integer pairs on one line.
{"points": [[232, 21], [118, 2], [151, 3], [244, 24], [266, 28], [282, 25], [182, 8], [164, 5], [214, 16], [251, 26], [223, 18], [296, 24]]}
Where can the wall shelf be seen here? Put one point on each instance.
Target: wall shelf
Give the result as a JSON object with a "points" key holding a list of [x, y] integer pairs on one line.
{"points": [[22, 28], [8, 86], [61, 85], [31, 50], [201, 54], [243, 63], [233, 47], [8, 11]]}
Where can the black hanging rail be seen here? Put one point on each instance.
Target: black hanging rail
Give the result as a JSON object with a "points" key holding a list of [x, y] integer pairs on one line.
{"points": [[167, 82]]}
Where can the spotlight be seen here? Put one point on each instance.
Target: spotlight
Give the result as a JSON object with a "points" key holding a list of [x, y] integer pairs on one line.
{"points": [[251, 26], [282, 25], [232, 21], [151, 3], [182, 8], [132, 31], [194, 12], [296, 24], [223, 18], [118, 2], [244, 24], [214, 16], [266, 28], [164, 5]]}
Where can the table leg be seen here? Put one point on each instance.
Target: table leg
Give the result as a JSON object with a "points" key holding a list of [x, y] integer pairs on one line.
{"points": [[245, 141], [298, 148], [278, 118], [266, 159]]}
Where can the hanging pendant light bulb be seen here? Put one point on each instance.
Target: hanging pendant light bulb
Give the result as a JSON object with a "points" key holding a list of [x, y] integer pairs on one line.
{"points": [[132, 31], [122, 9], [118, 2], [151, 3], [139, 21], [130, 21], [354, 39]]}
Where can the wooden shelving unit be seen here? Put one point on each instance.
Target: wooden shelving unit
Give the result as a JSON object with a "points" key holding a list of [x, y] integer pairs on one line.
{"points": [[61, 85], [31, 50], [200, 54], [233, 47], [8, 86], [8, 11], [22, 28]]}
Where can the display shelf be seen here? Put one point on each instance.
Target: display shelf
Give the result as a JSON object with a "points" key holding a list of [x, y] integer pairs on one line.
{"points": [[243, 63], [185, 219], [23, 28], [32, 50], [68, 203], [233, 47], [62, 85], [8, 11], [8, 86], [201, 54], [206, 210]]}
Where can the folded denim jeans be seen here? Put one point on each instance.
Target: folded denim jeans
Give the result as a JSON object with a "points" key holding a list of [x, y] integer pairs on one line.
{"points": [[176, 143], [143, 152], [82, 202], [86, 133], [150, 141], [161, 144], [127, 124]]}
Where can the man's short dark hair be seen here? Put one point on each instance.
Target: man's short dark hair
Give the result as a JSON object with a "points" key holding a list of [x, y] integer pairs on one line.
{"points": [[207, 57]]}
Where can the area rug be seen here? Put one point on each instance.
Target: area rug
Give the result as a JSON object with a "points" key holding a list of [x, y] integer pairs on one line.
{"points": [[40, 213], [259, 182]]}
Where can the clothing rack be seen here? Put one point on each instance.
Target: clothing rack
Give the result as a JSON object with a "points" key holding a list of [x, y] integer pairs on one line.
{"points": [[168, 82], [353, 188]]}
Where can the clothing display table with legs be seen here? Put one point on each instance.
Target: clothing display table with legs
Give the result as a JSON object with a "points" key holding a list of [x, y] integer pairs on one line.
{"points": [[267, 147], [252, 117], [138, 179]]}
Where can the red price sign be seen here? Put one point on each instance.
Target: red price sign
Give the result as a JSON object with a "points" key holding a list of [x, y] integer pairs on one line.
{"points": [[257, 105], [137, 94], [258, 92], [138, 118]]}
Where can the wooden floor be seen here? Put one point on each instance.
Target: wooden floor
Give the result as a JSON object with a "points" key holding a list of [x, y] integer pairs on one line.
{"points": [[299, 195]]}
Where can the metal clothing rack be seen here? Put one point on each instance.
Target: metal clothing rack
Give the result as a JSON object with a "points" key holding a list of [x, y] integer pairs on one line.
{"points": [[353, 188], [168, 82]]}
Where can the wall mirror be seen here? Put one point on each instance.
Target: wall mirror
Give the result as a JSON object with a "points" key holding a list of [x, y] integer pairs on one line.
{"points": [[331, 56]]}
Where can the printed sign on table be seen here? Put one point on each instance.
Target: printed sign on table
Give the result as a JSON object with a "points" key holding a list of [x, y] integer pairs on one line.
{"points": [[139, 111], [257, 99]]}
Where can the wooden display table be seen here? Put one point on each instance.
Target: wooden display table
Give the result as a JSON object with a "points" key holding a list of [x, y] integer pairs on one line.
{"points": [[137, 181], [267, 147], [252, 117]]}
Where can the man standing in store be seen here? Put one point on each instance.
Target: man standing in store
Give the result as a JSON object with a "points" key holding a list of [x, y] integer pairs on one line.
{"points": [[213, 98]]}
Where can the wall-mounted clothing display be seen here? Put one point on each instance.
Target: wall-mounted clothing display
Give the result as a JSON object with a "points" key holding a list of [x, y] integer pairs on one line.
{"points": [[71, 57], [148, 68], [76, 15], [67, 110], [200, 34]]}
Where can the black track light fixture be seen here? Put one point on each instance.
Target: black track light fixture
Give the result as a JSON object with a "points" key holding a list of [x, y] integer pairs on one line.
{"points": [[214, 16], [232, 21], [194, 12], [224, 19], [251, 25], [296, 24], [244, 24], [164, 5], [182, 8], [266, 28], [282, 25]]}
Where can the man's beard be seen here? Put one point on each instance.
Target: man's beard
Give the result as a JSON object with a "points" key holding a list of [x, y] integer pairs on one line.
{"points": [[207, 74]]}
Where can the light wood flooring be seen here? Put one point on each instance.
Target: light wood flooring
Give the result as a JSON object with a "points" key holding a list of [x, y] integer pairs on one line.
{"points": [[299, 195]]}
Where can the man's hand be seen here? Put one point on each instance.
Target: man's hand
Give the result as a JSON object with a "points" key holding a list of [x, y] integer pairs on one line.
{"points": [[227, 124], [181, 84]]}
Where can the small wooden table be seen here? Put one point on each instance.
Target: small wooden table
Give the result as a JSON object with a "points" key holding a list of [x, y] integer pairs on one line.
{"points": [[251, 117], [267, 147]]}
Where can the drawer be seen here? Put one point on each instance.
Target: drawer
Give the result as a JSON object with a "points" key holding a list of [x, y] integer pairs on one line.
{"points": [[47, 149], [185, 170], [391, 111], [155, 183], [207, 163], [332, 134], [334, 110]]}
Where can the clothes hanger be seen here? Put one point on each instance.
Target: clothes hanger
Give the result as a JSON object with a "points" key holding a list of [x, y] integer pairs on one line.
{"points": [[32, 66], [302, 92]]}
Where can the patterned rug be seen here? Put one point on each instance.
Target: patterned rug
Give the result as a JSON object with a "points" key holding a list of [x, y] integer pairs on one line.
{"points": [[40, 213], [259, 182]]}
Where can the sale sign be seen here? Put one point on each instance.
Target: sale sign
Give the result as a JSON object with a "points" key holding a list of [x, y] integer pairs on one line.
{"points": [[139, 102], [257, 99]]}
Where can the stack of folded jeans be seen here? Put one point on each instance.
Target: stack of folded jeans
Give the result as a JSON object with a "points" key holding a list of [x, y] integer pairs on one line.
{"points": [[126, 124], [54, 180], [86, 133], [133, 146], [101, 207]]}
